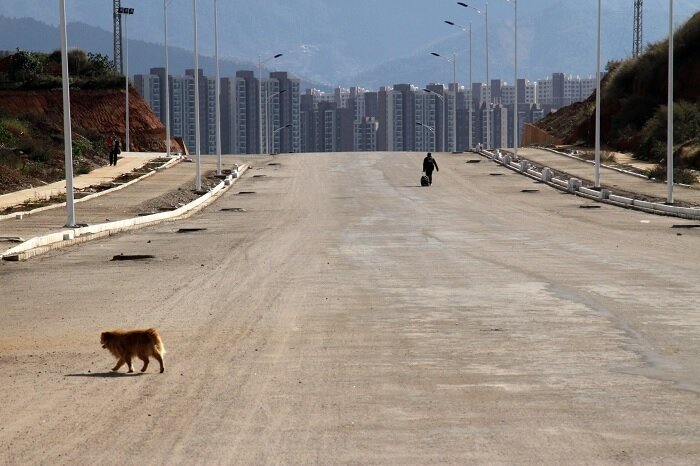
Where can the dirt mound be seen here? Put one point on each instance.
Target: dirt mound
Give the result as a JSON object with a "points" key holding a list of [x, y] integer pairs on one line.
{"points": [[31, 132], [633, 107]]}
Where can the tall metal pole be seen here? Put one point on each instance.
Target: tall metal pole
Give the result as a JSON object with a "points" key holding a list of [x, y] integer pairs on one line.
{"points": [[516, 125], [218, 89], [198, 177], [127, 147], [454, 102], [167, 81], [669, 143], [260, 105], [488, 83], [268, 136], [471, 97], [67, 137], [597, 105]]}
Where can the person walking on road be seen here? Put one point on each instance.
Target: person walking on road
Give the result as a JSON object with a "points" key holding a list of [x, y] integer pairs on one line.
{"points": [[429, 164], [114, 152]]}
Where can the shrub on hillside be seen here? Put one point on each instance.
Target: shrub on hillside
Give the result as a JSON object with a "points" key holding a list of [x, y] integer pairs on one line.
{"points": [[10, 132], [25, 66], [686, 127], [680, 175]]}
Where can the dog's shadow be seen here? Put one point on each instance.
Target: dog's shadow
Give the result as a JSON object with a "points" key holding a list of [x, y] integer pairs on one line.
{"points": [[107, 375]]}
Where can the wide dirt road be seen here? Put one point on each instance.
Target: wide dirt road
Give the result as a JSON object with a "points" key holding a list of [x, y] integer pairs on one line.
{"points": [[349, 316]]}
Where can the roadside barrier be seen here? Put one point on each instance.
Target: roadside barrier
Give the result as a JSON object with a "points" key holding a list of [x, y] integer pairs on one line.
{"points": [[574, 186], [69, 237]]}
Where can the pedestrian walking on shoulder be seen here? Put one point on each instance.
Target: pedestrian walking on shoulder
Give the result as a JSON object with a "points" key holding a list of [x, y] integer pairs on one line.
{"points": [[429, 164], [114, 153]]}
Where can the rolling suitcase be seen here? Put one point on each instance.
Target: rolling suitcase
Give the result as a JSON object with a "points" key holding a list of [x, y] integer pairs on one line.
{"points": [[424, 180]]}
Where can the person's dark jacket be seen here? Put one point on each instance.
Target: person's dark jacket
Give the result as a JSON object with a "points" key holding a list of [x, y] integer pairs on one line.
{"points": [[429, 163]]}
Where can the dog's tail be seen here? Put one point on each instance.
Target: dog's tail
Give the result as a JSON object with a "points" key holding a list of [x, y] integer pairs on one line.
{"points": [[157, 342]]}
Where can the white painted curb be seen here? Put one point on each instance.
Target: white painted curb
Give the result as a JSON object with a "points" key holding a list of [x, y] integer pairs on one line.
{"points": [[70, 237], [20, 215]]}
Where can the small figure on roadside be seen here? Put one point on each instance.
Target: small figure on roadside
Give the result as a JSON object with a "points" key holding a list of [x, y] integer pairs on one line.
{"points": [[429, 164], [115, 151]]}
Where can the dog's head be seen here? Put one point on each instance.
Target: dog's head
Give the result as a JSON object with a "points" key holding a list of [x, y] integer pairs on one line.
{"points": [[105, 338]]}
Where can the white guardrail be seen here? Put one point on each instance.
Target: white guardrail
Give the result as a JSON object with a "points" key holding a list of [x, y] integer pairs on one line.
{"points": [[574, 186], [72, 236]]}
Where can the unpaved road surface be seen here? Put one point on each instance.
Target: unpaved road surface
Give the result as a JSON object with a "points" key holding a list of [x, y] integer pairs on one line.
{"points": [[349, 316]]}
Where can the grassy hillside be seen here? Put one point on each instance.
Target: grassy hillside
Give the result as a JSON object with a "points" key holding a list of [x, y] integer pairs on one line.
{"points": [[633, 111], [31, 117]]}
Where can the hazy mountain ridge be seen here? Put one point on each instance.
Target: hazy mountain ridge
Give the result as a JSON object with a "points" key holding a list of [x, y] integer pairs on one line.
{"points": [[366, 42], [28, 34]]}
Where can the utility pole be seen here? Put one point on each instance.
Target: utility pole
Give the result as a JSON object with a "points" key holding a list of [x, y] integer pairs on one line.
{"points": [[116, 14], [637, 45]]}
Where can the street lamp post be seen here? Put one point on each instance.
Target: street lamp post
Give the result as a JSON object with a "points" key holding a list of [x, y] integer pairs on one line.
{"points": [[126, 12], [488, 84], [281, 128], [430, 128], [167, 79], [516, 125], [198, 177], [268, 123], [218, 88], [468, 29], [597, 104], [67, 137], [444, 126], [669, 131], [453, 60], [260, 103]]}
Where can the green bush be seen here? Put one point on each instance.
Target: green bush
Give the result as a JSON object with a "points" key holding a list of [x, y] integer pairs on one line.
{"points": [[81, 146], [680, 175], [40, 155], [100, 65], [686, 127], [7, 139], [11, 130], [25, 66]]}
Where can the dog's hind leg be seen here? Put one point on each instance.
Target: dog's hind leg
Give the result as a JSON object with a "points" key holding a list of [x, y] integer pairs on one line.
{"points": [[159, 358], [145, 362], [120, 363], [128, 363]]}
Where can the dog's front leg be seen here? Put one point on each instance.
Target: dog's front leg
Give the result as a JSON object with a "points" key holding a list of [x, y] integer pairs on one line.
{"points": [[145, 363], [128, 363], [120, 363]]}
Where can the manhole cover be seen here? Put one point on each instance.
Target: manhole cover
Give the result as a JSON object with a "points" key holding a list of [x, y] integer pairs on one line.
{"points": [[530, 191], [273, 164], [190, 230], [246, 192], [259, 176], [133, 257], [473, 161], [685, 226], [233, 209], [496, 174], [589, 207]]}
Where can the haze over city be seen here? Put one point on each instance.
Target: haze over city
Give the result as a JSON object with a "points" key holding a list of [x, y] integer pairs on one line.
{"points": [[370, 44]]}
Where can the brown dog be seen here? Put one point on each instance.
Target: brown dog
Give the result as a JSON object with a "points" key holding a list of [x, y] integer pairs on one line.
{"points": [[125, 345]]}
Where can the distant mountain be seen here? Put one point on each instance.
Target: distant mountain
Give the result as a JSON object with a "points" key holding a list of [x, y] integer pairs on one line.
{"points": [[29, 34], [369, 42]]}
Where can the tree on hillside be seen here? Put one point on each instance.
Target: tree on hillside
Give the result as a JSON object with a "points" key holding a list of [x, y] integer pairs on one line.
{"points": [[26, 66]]}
